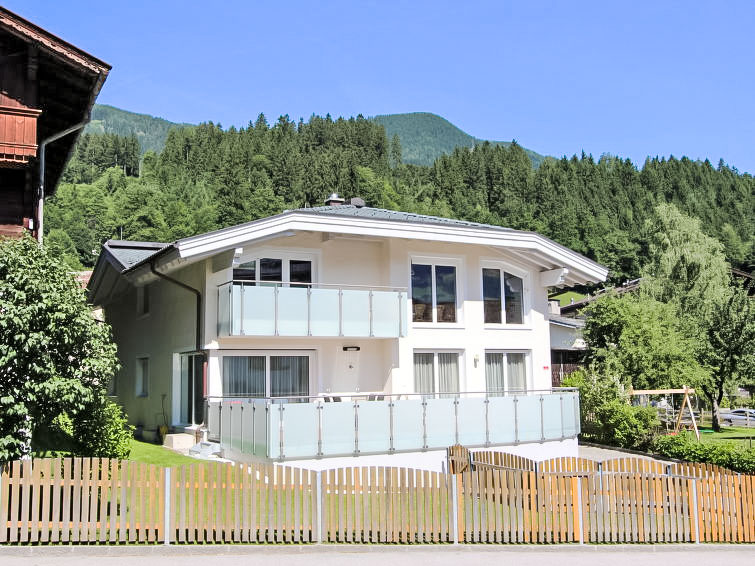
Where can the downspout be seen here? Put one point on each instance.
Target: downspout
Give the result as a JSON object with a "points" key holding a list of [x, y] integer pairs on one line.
{"points": [[198, 294], [42, 147]]}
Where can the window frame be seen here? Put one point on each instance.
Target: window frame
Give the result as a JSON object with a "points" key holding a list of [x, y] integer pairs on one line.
{"points": [[286, 257], [528, 375], [143, 302], [141, 381], [444, 261], [503, 268], [436, 393], [267, 354]]}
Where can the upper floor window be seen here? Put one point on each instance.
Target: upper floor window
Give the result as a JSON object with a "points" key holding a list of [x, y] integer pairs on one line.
{"points": [[275, 270], [142, 300], [503, 295], [434, 293]]}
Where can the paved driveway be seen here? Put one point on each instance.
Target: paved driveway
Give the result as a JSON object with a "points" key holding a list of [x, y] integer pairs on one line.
{"points": [[359, 555]]}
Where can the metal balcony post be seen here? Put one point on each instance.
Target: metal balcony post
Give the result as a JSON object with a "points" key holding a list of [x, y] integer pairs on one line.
{"points": [[390, 424], [241, 307], [424, 423], [542, 419], [309, 311], [319, 429], [487, 421], [275, 294], [516, 420], [561, 405], [281, 431], [456, 419], [356, 427], [372, 329], [254, 428]]}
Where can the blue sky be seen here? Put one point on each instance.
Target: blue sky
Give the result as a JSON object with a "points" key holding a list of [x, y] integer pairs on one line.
{"points": [[627, 78]]}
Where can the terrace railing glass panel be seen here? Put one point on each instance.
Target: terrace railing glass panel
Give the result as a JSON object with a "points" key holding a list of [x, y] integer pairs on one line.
{"points": [[248, 308], [282, 429]]}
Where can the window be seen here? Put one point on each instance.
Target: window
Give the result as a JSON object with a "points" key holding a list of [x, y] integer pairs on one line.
{"points": [[142, 377], [192, 388], [275, 270], [502, 302], [505, 372], [436, 372], [142, 300], [434, 293], [266, 376]]}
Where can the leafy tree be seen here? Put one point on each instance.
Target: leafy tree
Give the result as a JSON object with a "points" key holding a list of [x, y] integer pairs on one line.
{"points": [[730, 347], [642, 342], [55, 358], [684, 265]]}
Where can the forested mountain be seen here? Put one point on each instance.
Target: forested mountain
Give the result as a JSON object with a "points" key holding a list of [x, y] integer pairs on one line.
{"points": [[150, 131], [425, 137], [206, 178]]}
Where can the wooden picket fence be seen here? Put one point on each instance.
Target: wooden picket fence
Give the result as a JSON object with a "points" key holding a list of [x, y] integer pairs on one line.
{"points": [[497, 498]]}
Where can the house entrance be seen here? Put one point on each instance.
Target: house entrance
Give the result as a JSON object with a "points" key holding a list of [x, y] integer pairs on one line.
{"points": [[192, 388]]}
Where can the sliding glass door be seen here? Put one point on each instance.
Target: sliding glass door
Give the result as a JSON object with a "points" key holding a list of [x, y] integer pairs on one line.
{"points": [[505, 372], [436, 372], [266, 375]]}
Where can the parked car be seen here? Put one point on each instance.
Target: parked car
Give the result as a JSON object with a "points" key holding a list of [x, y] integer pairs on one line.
{"points": [[739, 417]]}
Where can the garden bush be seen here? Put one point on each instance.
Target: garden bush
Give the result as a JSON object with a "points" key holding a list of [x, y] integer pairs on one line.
{"points": [[685, 446]]}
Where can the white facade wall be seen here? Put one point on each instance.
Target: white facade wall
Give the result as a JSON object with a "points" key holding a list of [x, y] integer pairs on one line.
{"points": [[386, 365]]}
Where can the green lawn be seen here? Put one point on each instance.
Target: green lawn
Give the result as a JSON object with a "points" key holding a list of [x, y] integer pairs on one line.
{"points": [[154, 454], [728, 434], [566, 298]]}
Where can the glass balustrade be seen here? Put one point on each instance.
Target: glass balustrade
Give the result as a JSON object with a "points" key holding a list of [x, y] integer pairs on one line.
{"points": [[249, 308], [281, 430]]}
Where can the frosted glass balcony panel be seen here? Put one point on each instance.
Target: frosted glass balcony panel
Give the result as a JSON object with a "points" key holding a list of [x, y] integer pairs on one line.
{"points": [[403, 313], [407, 425], [258, 311], [552, 416], [472, 421], [386, 312], [441, 423], [300, 424], [224, 310], [260, 427], [571, 414], [236, 313], [292, 311], [355, 312], [337, 429], [324, 312], [374, 426], [501, 420], [528, 412]]}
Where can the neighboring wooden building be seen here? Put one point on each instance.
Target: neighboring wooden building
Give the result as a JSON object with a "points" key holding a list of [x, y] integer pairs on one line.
{"points": [[47, 89]]}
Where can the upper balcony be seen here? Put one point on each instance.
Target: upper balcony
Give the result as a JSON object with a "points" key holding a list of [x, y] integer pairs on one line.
{"points": [[250, 308]]}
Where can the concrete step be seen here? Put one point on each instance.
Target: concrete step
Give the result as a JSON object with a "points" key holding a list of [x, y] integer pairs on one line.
{"points": [[206, 449], [179, 441]]}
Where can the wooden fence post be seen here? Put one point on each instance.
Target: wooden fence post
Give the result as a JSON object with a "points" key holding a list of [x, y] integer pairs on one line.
{"points": [[455, 507], [166, 517], [319, 506], [578, 512], [695, 514]]}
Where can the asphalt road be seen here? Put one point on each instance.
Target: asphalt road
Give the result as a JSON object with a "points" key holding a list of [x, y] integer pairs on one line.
{"points": [[347, 555]]}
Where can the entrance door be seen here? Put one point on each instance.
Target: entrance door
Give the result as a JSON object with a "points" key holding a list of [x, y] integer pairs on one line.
{"points": [[192, 388]]}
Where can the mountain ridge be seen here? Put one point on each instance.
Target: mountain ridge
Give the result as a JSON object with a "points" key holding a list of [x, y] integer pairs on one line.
{"points": [[424, 136]]}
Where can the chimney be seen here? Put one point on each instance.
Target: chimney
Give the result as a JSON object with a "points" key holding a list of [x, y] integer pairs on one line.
{"points": [[358, 202], [334, 200], [554, 307]]}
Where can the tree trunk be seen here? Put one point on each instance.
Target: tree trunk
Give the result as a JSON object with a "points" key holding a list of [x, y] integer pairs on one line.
{"points": [[716, 413]]}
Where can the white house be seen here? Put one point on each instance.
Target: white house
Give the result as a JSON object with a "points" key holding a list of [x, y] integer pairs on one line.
{"points": [[325, 334]]}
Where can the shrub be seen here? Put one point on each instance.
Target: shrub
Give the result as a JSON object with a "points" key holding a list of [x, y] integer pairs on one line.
{"points": [[685, 447]]}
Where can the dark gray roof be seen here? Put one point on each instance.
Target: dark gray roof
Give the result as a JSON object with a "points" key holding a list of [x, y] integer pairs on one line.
{"points": [[566, 321], [395, 215], [128, 253]]}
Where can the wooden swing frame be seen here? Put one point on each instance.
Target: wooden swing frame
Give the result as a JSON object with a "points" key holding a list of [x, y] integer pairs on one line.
{"points": [[686, 391]]}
